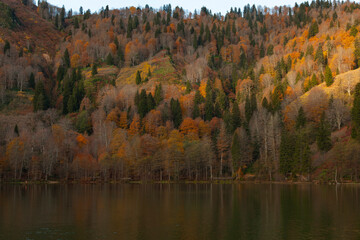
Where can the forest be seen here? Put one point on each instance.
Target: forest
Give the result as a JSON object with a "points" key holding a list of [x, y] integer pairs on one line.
{"points": [[145, 94]]}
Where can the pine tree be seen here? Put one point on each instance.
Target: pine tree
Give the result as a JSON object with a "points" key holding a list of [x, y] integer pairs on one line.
{"points": [[323, 135], [16, 130], [176, 112], [301, 119], [235, 152], [357, 53], [314, 29], [158, 97], [196, 111], [138, 78], [143, 104], [94, 70], [287, 150], [235, 117], [40, 101], [328, 76], [66, 58], [32, 81], [355, 114], [150, 102], [302, 154], [109, 59], [147, 27]]}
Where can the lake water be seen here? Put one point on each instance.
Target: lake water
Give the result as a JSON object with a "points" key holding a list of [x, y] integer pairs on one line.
{"points": [[179, 211]]}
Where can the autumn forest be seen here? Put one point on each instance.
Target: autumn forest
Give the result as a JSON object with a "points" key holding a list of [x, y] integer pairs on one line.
{"points": [[145, 94]]}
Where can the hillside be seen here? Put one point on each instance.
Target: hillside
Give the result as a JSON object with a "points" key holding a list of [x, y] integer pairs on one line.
{"points": [[163, 94], [24, 27]]}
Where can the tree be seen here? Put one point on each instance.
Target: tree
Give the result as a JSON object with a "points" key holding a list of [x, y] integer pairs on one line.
{"points": [[235, 152], [314, 29], [301, 119], [94, 70], [158, 94], [328, 76], [287, 150], [235, 117], [176, 112], [6, 46], [323, 139], [32, 81], [355, 114], [138, 78], [40, 101], [66, 58], [109, 59]]}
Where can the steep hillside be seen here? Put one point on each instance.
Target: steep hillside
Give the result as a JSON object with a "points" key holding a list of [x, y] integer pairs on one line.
{"points": [[22, 26]]}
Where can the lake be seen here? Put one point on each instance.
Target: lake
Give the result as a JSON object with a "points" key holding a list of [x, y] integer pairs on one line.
{"points": [[179, 211]]}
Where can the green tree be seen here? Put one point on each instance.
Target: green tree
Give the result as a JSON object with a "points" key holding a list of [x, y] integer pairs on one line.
{"points": [[138, 78], [40, 101], [94, 70], [314, 29], [355, 114], [301, 119], [176, 112], [328, 76], [287, 150], [66, 58], [143, 104], [235, 117], [32, 81], [158, 97], [109, 59], [235, 152], [323, 139]]}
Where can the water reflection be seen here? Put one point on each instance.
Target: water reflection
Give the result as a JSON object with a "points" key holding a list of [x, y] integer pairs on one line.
{"points": [[179, 211]]}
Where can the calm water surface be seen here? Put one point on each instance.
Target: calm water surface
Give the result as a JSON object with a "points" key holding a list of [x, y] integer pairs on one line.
{"points": [[179, 211]]}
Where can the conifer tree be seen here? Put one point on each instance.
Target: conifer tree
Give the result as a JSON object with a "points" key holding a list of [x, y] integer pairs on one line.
{"points": [[323, 135], [301, 119], [235, 152], [355, 114], [235, 117], [328, 76], [32, 81], [138, 78]]}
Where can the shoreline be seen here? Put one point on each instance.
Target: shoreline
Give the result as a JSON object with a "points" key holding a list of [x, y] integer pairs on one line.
{"points": [[57, 182]]}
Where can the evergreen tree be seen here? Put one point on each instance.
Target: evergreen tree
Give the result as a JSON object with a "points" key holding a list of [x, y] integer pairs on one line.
{"points": [[138, 78], [158, 97], [94, 70], [16, 130], [198, 98], [62, 17], [196, 111], [302, 154], [314, 29], [150, 102], [109, 59], [301, 119], [236, 152], [147, 27], [66, 58], [357, 53], [32, 81], [287, 150], [235, 117], [328, 76], [355, 113], [143, 104], [176, 113], [323, 135], [209, 109], [40, 101]]}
